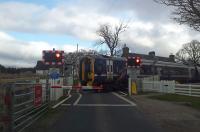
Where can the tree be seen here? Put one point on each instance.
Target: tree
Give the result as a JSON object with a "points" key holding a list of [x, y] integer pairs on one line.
{"points": [[190, 54], [181, 57], [110, 36], [186, 11]]}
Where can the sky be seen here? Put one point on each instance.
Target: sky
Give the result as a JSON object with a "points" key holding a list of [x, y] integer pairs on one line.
{"points": [[29, 26]]}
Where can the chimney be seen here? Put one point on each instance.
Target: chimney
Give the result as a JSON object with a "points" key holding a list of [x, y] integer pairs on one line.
{"points": [[125, 51], [172, 58], [152, 54]]}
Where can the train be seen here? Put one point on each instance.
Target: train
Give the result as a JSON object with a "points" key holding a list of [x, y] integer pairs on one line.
{"points": [[110, 73], [103, 71]]}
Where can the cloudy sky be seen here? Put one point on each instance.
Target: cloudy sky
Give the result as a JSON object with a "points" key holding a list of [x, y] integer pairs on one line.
{"points": [[29, 26]]}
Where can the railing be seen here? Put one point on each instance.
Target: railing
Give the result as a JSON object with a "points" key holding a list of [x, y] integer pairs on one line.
{"points": [[190, 90], [159, 86], [22, 103], [171, 87]]}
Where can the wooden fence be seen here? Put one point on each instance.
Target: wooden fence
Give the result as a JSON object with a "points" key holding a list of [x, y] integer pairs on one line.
{"points": [[171, 87], [187, 89]]}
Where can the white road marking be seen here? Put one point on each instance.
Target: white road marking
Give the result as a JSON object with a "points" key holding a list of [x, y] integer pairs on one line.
{"points": [[69, 96], [106, 105], [55, 106], [128, 101], [69, 91], [76, 102], [66, 104], [123, 93]]}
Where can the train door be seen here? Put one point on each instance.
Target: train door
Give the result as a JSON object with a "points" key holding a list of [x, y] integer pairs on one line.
{"points": [[109, 67]]}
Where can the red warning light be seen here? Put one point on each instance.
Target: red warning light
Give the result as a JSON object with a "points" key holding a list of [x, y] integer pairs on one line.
{"points": [[137, 61], [58, 55], [53, 57]]}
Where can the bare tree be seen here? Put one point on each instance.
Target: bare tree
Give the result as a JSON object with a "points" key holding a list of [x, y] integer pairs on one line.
{"points": [[186, 11], [181, 57], [110, 36], [190, 54]]}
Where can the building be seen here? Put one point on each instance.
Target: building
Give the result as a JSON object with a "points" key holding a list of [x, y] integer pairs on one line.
{"points": [[43, 69], [165, 67]]}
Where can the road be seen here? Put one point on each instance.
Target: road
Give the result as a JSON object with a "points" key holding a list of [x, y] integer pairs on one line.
{"points": [[101, 112]]}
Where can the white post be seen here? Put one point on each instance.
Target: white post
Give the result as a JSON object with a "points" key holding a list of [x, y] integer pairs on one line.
{"points": [[190, 89], [173, 86]]}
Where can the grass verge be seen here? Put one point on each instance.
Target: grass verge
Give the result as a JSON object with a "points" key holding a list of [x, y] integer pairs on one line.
{"points": [[182, 99]]}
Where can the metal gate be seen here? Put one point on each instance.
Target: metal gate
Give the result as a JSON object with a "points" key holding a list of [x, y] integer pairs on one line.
{"points": [[22, 103]]}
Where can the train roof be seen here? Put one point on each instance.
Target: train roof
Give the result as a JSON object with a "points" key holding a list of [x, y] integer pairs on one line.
{"points": [[104, 57]]}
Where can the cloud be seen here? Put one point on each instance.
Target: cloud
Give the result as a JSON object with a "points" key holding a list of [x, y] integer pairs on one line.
{"points": [[62, 19], [149, 26], [19, 53]]}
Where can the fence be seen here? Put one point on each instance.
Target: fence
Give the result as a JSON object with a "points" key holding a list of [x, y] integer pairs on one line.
{"points": [[171, 87], [22, 103], [190, 90], [159, 86]]}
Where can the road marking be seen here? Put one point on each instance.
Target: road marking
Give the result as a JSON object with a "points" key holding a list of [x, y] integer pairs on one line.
{"points": [[55, 106], [66, 104], [69, 91], [69, 96], [106, 105], [123, 93], [128, 101], [76, 102]]}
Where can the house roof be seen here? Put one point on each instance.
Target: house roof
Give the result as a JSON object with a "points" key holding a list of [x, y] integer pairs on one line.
{"points": [[149, 57], [41, 66]]}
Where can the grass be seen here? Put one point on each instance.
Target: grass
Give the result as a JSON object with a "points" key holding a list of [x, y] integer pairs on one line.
{"points": [[193, 102], [146, 93]]}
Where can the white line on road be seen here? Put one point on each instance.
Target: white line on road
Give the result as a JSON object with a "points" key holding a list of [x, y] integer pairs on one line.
{"points": [[55, 106], [105, 105], [69, 91], [66, 104], [123, 93], [76, 102], [128, 101]]}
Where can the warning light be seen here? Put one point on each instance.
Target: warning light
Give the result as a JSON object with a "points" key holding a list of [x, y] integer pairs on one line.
{"points": [[133, 61], [58, 55], [137, 61], [53, 57]]}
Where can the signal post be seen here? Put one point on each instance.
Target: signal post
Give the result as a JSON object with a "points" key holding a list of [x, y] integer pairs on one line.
{"points": [[133, 70]]}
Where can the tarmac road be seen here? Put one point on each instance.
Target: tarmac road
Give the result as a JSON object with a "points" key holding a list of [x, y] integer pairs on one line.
{"points": [[101, 112]]}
